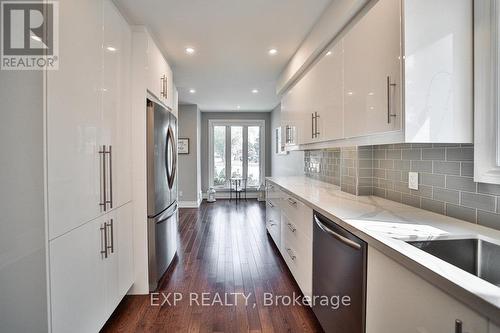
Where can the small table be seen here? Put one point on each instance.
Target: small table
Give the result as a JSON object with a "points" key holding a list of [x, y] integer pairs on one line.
{"points": [[238, 188]]}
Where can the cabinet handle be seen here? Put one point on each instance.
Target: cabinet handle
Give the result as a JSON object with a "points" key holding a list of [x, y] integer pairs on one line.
{"points": [[162, 80], [291, 227], [110, 177], [458, 326], [102, 154], [291, 201], [104, 249], [290, 253], [270, 204], [316, 116], [389, 112], [111, 229], [312, 126]]}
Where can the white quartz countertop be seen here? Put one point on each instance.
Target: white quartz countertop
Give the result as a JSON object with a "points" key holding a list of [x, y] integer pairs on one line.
{"points": [[386, 224]]}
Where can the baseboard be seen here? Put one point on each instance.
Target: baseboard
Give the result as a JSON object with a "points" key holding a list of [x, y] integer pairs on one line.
{"points": [[189, 204], [225, 195]]}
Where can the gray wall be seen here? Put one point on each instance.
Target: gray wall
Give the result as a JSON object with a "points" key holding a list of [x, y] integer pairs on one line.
{"points": [[205, 116], [189, 164], [291, 164], [23, 283], [445, 175]]}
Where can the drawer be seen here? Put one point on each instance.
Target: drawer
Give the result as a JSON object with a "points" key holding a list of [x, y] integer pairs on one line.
{"points": [[274, 229], [299, 214], [299, 260]]}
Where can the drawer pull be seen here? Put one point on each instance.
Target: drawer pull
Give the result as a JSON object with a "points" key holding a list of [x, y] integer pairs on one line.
{"points": [[292, 202], [290, 253], [291, 227]]}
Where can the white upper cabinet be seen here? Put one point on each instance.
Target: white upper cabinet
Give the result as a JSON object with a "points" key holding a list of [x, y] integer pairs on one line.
{"points": [[160, 78], [399, 73], [372, 72], [74, 119], [438, 50], [486, 80], [116, 101], [326, 99]]}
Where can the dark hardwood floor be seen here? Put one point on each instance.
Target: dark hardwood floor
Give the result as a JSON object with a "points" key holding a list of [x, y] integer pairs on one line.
{"points": [[223, 249]]}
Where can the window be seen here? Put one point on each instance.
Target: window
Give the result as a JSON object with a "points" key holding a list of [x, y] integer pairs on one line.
{"points": [[236, 149]]}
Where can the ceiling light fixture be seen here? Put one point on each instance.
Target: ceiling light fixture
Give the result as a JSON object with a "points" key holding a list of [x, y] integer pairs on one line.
{"points": [[189, 50], [255, 91], [238, 107], [329, 53], [273, 51], [192, 91], [111, 48]]}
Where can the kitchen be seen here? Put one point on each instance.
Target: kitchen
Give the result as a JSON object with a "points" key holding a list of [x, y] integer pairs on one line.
{"points": [[299, 166]]}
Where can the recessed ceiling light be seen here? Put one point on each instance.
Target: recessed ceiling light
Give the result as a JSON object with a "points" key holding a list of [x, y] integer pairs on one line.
{"points": [[238, 107], [111, 48], [255, 91], [35, 37], [189, 50], [273, 51], [329, 53], [192, 91]]}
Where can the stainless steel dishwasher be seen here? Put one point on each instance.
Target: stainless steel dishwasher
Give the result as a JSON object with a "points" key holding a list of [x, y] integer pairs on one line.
{"points": [[339, 273]]}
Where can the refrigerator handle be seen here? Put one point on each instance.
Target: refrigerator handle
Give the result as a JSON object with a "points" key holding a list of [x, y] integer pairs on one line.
{"points": [[102, 155], [110, 163]]}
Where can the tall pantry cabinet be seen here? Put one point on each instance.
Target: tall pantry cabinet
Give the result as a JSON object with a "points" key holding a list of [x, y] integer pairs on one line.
{"points": [[89, 166]]}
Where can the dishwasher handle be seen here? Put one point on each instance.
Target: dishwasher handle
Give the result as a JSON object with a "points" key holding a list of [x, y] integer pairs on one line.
{"points": [[335, 235]]}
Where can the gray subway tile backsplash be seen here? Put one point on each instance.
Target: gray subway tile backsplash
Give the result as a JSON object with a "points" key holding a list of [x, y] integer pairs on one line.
{"points": [[446, 184]]}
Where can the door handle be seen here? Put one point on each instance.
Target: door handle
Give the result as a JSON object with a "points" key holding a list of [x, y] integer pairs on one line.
{"points": [[389, 112], [335, 235], [290, 253], [102, 155], [110, 163], [291, 227], [316, 132], [111, 229], [104, 247], [312, 126]]}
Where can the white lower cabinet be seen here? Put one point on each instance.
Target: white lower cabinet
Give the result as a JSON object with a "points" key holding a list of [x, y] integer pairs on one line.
{"points": [[91, 269], [289, 222], [400, 301], [77, 282], [493, 328]]}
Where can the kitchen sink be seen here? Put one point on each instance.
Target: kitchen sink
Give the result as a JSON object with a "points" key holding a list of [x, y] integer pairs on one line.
{"points": [[473, 255]]}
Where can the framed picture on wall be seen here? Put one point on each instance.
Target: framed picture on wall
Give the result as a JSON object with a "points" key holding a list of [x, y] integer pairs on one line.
{"points": [[183, 146]]}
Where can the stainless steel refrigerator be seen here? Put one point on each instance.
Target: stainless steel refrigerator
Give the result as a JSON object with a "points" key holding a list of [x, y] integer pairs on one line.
{"points": [[162, 190]]}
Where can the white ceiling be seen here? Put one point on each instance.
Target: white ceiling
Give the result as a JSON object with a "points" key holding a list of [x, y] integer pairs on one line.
{"points": [[232, 39]]}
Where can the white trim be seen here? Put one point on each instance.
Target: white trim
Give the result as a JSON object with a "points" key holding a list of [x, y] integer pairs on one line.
{"points": [[189, 204], [237, 122], [486, 83]]}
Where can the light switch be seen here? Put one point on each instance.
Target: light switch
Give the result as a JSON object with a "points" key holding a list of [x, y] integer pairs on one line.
{"points": [[413, 180]]}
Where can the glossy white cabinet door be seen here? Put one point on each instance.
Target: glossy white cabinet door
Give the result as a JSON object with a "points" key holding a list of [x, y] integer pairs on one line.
{"points": [[116, 125], [327, 95], [111, 263], [77, 282], [125, 249], [73, 112], [393, 306], [372, 50], [438, 71]]}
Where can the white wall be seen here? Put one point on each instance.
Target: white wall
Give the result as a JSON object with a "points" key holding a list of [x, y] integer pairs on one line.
{"points": [[291, 164], [189, 165], [23, 282]]}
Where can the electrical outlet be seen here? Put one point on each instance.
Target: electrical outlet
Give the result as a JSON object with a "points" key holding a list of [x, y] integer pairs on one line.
{"points": [[413, 180]]}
